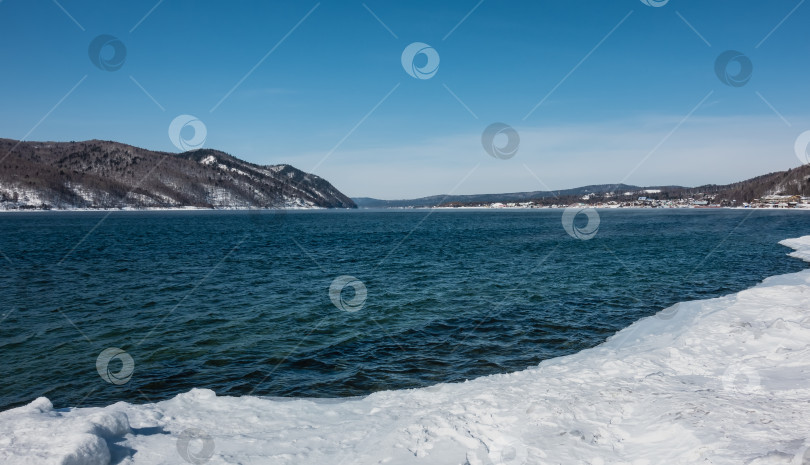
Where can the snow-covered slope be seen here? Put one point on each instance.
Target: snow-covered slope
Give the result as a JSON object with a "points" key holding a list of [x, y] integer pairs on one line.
{"points": [[719, 381], [102, 174]]}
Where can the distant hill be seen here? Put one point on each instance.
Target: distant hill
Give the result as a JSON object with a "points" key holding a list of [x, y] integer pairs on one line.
{"points": [[432, 201], [103, 174], [791, 182], [795, 181]]}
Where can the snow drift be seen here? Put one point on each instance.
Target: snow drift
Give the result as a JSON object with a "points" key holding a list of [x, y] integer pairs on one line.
{"points": [[720, 381]]}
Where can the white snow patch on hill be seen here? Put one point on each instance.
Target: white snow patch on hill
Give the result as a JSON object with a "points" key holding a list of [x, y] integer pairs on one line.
{"points": [[718, 381], [209, 160]]}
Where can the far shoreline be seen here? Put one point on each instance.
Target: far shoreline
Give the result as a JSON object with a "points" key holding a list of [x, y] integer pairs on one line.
{"points": [[383, 209]]}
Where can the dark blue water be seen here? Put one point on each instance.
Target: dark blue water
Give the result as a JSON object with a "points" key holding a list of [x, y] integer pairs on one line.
{"points": [[238, 302]]}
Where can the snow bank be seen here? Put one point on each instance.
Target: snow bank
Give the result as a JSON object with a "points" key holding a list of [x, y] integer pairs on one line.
{"points": [[37, 434], [719, 381], [801, 246]]}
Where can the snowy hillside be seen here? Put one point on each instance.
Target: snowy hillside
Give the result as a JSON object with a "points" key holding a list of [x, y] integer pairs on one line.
{"points": [[101, 174]]}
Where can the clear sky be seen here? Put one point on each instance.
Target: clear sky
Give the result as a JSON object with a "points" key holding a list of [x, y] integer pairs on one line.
{"points": [[598, 91]]}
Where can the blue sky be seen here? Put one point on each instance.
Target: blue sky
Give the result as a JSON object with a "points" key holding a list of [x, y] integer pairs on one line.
{"points": [[629, 91]]}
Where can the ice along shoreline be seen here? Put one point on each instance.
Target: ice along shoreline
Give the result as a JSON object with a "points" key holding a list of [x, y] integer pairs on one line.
{"points": [[723, 380]]}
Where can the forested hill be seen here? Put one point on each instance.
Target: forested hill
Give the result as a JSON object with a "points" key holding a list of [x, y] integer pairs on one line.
{"points": [[103, 174], [794, 181]]}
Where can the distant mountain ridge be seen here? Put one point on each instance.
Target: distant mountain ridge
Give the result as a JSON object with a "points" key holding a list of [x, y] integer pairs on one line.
{"points": [[794, 181], [435, 200], [105, 174]]}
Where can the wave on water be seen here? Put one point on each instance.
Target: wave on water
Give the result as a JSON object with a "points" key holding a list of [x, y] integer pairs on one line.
{"points": [[721, 381]]}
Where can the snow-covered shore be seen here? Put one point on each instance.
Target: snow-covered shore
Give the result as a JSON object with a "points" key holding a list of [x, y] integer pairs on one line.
{"points": [[718, 381], [158, 209]]}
